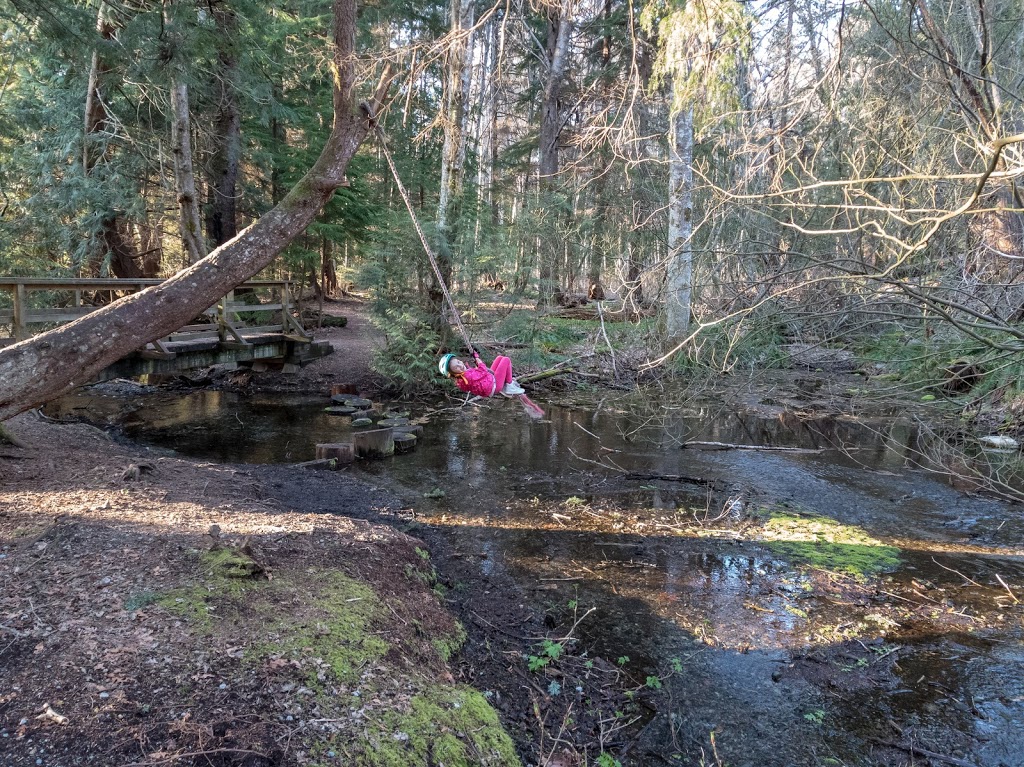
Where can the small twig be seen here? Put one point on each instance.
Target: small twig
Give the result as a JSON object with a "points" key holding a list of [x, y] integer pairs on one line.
{"points": [[955, 571], [568, 636], [1012, 596], [927, 754]]}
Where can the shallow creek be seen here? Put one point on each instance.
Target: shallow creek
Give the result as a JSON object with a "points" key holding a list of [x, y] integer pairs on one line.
{"points": [[837, 606]]}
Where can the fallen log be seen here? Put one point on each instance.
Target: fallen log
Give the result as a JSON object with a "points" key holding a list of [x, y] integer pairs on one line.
{"points": [[550, 373]]}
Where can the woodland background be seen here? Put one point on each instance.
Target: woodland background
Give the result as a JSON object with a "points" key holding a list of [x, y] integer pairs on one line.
{"points": [[736, 176]]}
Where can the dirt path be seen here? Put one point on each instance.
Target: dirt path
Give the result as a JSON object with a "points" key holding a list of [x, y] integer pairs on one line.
{"points": [[354, 347]]}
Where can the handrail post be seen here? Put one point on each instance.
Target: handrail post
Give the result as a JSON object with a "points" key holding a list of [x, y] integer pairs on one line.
{"points": [[222, 315], [286, 305], [20, 308]]}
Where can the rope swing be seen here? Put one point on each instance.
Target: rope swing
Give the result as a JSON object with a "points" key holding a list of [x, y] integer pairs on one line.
{"points": [[382, 140]]}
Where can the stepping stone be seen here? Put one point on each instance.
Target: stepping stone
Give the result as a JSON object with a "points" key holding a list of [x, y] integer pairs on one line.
{"points": [[359, 422], [342, 452], [340, 410], [379, 443], [411, 428], [358, 402], [404, 443]]}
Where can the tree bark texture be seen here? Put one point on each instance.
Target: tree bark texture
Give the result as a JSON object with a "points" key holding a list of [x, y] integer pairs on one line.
{"points": [[559, 23], [680, 226], [53, 363], [224, 162], [184, 176], [114, 238]]}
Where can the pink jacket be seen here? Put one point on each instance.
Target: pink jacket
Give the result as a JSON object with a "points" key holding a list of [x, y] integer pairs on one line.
{"points": [[479, 380]]}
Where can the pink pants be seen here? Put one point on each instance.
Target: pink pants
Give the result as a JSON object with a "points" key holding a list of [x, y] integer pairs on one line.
{"points": [[502, 369]]}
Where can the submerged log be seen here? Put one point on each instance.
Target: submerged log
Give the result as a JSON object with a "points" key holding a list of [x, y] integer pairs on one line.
{"points": [[342, 452], [714, 484], [378, 443]]}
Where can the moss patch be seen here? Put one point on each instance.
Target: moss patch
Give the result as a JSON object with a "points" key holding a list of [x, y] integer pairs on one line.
{"points": [[811, 540], [229, 563], [339, 629], [453, 726], [446, 646], [191, 605]]}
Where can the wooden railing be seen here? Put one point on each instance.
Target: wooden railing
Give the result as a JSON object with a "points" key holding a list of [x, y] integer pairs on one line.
{"points": [[70, 299]]}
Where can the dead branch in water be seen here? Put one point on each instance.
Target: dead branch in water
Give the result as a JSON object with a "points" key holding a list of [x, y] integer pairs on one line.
{"points": [[731, 446], [714, 484]]}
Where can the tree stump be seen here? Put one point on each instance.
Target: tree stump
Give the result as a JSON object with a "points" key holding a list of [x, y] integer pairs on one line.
{"points": [[405, 443], [342, 452], [360, 422], [349, 389], [393, 422], [378, 443]]}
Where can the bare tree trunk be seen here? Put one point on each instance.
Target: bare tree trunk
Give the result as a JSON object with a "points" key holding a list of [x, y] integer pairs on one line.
{"points": [[680, 226], [453, 154], [559, 32], [222, 214], [113, 235], [53, 363], [184, 177]]}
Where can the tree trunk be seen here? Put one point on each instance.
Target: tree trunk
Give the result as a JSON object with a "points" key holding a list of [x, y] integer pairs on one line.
{"points": [[184, 178], [53, 363], [453, 154], [222, 213], [559, 31], [114, 238], [680, 226]]}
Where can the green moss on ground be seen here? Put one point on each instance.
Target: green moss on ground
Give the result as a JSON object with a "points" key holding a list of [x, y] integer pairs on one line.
{"points": [[811, 540], [339, 629], [330, 627], [450, 725], [448, 645]]}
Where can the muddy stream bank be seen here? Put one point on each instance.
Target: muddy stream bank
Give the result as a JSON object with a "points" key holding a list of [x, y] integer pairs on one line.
{"points": [[628, 599]]}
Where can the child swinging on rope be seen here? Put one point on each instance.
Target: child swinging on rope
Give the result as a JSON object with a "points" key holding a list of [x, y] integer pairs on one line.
{"points": [[482, 381], [486, 381]]}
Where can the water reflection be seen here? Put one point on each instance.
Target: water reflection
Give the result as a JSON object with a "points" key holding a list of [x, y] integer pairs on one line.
{"points": [[737, 610]]}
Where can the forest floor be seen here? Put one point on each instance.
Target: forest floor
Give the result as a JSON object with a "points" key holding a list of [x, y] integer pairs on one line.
{"points": [[157, 610]]}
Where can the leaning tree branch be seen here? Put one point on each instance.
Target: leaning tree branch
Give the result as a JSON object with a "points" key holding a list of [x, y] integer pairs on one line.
{"points": [[48, 365]]}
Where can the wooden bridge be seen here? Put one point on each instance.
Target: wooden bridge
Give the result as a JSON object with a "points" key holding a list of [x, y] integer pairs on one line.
{"points": [[256, 328]]}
